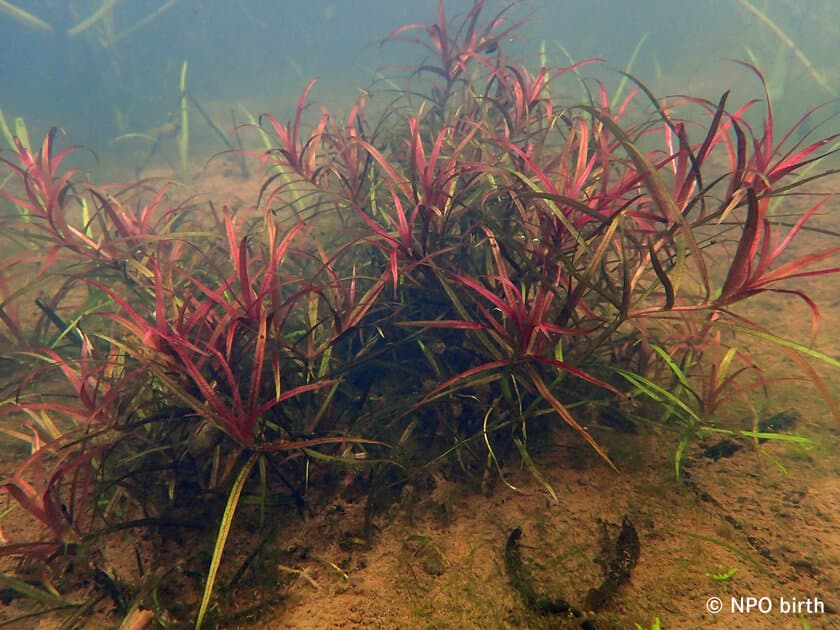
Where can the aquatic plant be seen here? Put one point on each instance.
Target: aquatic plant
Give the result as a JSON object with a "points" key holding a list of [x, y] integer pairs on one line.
{"points": [[428, 285]]}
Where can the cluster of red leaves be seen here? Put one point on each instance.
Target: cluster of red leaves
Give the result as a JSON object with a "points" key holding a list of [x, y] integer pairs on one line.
{"points": [[532, 230]]}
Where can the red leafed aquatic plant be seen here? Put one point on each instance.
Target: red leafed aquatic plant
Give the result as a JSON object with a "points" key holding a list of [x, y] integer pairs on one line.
{"points": [[486, 257]]}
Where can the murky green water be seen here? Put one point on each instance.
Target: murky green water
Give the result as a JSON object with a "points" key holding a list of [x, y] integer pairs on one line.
{"points": [[104, 74]]}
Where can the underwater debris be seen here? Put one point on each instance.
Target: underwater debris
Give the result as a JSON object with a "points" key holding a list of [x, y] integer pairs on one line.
{"points": [[778, 422], [723, 448], [621, 555], [522, 581]]}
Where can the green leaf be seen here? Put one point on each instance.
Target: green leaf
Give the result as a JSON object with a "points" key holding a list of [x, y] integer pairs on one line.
{"points": [[660, 395], [532, 468], [34, 593], [221, 538], [780, 341]]}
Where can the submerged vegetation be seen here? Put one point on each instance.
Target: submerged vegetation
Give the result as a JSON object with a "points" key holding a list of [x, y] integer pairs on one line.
{"points": [[430, 286]]}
